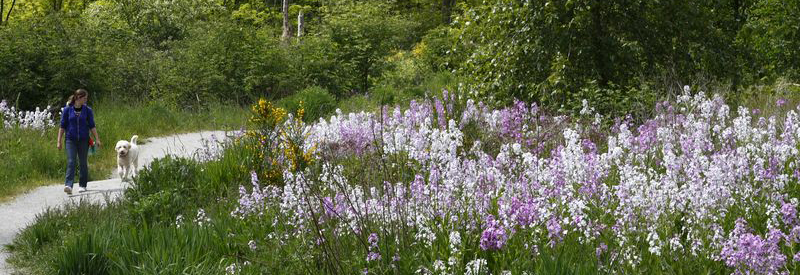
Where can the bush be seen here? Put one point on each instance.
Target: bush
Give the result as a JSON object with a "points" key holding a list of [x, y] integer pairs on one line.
{"points": [[42, 61], [317, 103], [164, 189]]}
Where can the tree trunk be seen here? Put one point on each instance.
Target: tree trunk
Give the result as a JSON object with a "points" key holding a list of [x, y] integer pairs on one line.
{"points": [[447, 9], [738, 15], [600, 47], [300, 24], [10, 9], [287, 32], [2, 8]]}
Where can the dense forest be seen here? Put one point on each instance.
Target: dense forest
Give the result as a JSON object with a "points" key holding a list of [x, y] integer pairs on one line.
{"points": [[621, 55]]}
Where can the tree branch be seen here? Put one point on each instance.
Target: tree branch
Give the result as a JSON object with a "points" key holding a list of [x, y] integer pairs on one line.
{"points": [[10, 9]]}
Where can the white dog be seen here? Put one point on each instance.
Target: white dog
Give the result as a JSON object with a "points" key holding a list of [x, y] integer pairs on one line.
{"points": [[127, 156]]}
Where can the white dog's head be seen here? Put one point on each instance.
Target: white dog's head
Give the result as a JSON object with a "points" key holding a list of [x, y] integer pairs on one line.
{"points": [[122, 148]]}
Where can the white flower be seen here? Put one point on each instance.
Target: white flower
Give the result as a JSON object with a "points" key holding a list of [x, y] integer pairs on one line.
{"points": [[455, 241], [476, 267], [232, 269]]}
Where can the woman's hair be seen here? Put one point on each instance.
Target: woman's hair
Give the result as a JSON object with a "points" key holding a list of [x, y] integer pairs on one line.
{"points": [[75, 95]]}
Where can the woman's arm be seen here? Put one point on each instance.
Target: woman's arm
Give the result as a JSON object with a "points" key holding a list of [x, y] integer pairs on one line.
{"points": [[62, 129], [60, 134], [96, 137], [92, 128]]}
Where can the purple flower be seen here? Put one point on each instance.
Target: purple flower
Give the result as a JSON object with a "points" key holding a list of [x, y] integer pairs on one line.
{"points": [[494, 236], [252, 245], [327, 204], [602, 248], [749, 253], [554, 231], [373, 256], [789, 212], [780, 102], [373, 240], [441, 117]]}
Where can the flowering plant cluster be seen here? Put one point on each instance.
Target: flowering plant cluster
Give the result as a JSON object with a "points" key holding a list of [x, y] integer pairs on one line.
{"points": [[275, 141], [12, 118], [684, 184]]}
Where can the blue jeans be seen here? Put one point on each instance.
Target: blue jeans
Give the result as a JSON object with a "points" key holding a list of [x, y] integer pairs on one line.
{"points": [[77, 149]]}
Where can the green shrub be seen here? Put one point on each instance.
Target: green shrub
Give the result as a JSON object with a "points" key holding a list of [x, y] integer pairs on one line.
{"points": [[317, 103], [164, 189]]}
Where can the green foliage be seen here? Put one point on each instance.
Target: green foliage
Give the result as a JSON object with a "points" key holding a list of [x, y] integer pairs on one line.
{"points": [[214, 64], [365, 32], [557, 51], [88, 238], [82, 254], [29, 156], [435, 49], [316, 101], [163, 188], [357, 103], [315, 62], [38, 60], [158, 22], [773, 33]]}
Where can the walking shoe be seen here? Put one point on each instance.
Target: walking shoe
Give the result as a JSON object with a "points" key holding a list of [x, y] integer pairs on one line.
{"points": [[68, 190], [81, 189]]}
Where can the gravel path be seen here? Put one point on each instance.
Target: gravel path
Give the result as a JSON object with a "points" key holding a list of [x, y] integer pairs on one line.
{"points": [[21, 211]]}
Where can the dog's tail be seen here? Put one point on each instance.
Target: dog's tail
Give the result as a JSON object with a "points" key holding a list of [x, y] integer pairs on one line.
{"points": [[134, 139]]}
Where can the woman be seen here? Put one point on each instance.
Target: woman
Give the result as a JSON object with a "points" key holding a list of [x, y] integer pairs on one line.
{"points": [[77, 121]]}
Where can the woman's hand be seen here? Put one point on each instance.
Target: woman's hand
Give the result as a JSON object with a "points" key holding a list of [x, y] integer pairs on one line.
{"points": [[58, 145], [97, 142]]}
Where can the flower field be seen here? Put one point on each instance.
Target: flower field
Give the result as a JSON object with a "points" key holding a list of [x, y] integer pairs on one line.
{"points": [[446, 187], [452, 186]]}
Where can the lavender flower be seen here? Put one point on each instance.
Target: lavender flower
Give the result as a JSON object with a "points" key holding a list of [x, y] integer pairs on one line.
{"points": [[749, 253], [789, 212], [554, 231], [373, 256], [373, 240], [494, 235]]}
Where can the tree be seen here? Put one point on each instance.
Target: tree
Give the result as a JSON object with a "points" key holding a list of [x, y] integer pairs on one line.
{"points": [[287, 32], [447, 9], [559, 52], [365, 33], [773, 33]]}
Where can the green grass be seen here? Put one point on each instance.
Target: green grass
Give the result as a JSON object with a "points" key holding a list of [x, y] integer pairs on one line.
{"points": [[139, 234], [30, 158]]}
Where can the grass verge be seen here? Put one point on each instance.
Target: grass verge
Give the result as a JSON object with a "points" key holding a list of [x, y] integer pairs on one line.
{"points": [[30, 158]]}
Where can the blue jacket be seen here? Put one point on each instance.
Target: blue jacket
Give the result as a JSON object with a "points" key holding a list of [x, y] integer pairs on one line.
{"points": [[77, 128]]}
